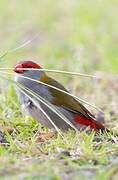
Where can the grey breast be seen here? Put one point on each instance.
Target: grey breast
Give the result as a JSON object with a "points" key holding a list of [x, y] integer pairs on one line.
{"points": [[35, 111]]}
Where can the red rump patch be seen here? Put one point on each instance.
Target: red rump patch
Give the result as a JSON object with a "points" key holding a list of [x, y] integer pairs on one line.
{"points": [[87, 122]]}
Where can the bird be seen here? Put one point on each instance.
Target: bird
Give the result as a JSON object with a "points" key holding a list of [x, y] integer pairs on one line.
{"points": [[72, 109]]}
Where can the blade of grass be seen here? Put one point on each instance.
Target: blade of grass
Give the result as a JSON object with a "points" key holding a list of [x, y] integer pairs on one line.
{"points": [[53, 108], [46, 103], [54, 71], [23, 44], [40, 82], [18, 47], [36, 104], [3, 55]]}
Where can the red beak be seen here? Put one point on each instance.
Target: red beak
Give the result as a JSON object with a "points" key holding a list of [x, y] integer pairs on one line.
{"points": [[18, 69]]}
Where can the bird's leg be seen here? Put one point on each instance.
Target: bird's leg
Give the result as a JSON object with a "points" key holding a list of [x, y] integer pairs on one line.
{"points": [[42, 137]]}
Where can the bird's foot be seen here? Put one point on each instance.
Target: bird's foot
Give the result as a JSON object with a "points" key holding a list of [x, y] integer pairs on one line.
{"points": [[42, 137]]}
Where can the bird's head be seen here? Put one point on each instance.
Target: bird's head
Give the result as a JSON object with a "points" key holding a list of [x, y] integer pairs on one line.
{"points": [[24, 66]]}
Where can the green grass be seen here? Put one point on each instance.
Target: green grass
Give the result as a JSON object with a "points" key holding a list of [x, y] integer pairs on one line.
{"points": [[76, 156], [76, 36]]}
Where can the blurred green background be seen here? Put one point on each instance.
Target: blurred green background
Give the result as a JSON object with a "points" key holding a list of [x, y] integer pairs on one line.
{"points": [[75, 35]]}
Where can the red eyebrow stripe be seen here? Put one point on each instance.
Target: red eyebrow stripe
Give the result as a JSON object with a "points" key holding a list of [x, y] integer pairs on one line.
{"points": [[32, 65]]}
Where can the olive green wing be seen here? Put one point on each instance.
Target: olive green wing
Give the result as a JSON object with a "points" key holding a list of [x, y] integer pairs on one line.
{"points": [[65, 100]]}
